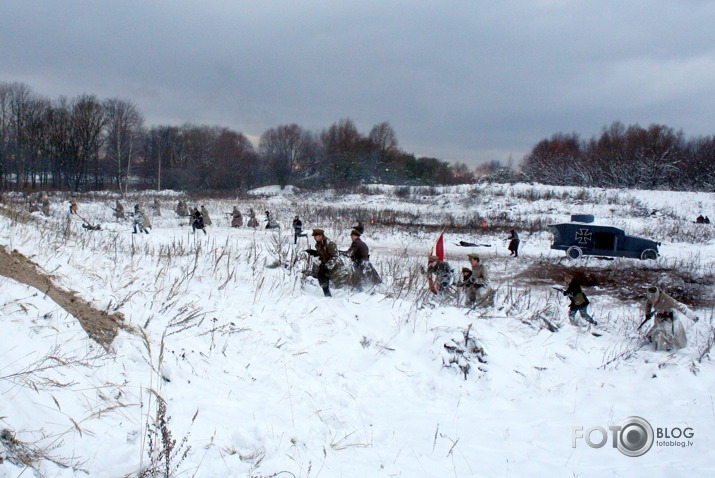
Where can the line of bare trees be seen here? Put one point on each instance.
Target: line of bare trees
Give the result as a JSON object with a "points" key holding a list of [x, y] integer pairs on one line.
{"points": [[630, 157], [85, 143]]}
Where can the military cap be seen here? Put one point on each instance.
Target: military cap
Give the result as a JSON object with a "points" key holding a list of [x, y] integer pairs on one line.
{"points": [[432, 258], [317, 232], [466, 269], [473, 256], [355, 232]]}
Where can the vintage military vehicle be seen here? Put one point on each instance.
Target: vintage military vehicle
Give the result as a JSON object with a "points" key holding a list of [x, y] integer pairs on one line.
{"points": [[581, 237]]}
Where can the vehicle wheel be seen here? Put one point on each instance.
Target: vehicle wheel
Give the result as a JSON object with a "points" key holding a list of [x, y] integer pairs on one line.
{"points": [[649, 254], [574, 252]]}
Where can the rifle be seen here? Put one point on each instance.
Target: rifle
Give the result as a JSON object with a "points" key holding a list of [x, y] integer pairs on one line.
{"points": [[647, 318]]}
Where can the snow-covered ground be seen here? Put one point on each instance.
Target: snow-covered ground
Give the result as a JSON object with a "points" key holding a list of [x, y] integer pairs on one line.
{"points": [[264, 377]]}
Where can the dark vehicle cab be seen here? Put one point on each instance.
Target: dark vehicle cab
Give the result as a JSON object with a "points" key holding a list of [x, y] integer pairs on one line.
{"points": [[581, 237]]}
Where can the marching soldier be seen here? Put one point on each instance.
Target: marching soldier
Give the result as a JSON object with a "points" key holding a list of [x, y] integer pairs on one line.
{"points": [[138, 221], [198, 222], [364, 274], [236, 217], [579, 301], [118, 210], [205, 214], [329, 266], [74, 207]]}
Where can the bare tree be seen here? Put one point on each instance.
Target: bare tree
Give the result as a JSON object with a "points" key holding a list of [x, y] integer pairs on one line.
{"points": [[87, 123], [124, 130], [285, 148]]}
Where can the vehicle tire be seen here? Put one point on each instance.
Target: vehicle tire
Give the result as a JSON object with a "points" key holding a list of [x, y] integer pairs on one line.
{"points": [[574, 252], [649, 254]]}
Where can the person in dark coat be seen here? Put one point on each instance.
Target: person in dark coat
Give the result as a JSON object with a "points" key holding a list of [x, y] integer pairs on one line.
{"points": [[297, 229], [513, 243], [579, 301], [358, 251], [364, 274], [198, 222]]}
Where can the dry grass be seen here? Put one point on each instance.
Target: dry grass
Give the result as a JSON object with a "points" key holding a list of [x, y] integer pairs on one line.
{"points": [[627, 280]]}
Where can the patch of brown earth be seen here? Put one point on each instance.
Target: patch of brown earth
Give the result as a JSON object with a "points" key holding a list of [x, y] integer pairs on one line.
{"points": [[101, 326], [628, 282]]}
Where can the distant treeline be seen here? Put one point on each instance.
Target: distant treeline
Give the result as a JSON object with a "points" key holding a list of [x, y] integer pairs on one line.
{"points": [[86, 143], [631, 157]]}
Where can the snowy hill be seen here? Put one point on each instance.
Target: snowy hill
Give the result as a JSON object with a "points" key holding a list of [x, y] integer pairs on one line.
{"points": [[222, 347]]}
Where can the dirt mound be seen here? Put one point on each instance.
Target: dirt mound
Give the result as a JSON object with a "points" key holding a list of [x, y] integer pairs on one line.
{"points": [[628, 282], [99, 325]]}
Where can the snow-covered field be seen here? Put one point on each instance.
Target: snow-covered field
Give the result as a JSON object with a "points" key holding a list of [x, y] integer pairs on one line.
{"points": [[262, 376]]}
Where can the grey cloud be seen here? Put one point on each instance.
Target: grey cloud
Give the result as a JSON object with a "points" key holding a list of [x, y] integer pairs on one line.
{"points": [[460, 80]]}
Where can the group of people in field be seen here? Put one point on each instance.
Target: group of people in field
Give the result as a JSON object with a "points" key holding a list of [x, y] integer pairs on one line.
{"points": [[666, 330], [664, 314], [473, 281], [330, 269]]}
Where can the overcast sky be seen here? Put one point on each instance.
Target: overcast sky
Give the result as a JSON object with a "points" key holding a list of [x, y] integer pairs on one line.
{"points": [[461, 80]]}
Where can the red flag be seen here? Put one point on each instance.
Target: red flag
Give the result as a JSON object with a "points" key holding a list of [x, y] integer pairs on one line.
{"points": [[438, 248]]}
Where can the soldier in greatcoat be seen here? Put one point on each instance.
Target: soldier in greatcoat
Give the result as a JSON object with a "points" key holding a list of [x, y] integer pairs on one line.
{"points": [[469, 287], [363, 274], [156, 206], [236, 217], [667, 331], [118, 211], [138, 219], [74, 207], [480, 276], [270, 221], [513, 243], [329, 267], [252, 219], [182, 209], [205, 214], [145, 220]]}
